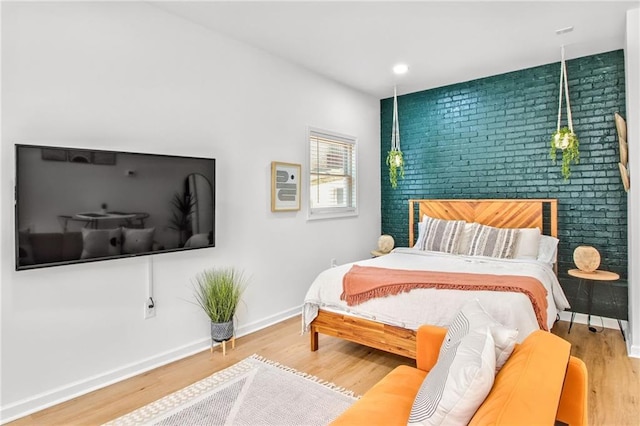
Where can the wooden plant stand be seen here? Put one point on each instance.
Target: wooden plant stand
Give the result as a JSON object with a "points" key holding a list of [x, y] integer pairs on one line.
{"points": [[224, 345]]}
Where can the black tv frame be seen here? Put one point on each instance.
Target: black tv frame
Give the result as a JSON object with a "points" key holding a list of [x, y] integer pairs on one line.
{"points": [[104, 158]]}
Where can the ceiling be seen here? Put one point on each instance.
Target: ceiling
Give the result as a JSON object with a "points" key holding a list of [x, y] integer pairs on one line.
{"points": [[357, 43]]}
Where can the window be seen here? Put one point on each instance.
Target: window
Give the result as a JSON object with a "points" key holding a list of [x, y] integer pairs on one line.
{"points": [[332, 175]]}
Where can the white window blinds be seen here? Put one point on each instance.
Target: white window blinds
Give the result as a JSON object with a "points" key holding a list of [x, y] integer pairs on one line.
{"points": [[332, 174]]}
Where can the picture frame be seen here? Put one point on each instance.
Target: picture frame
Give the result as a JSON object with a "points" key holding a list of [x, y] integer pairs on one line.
{"points": [[285, 186]]}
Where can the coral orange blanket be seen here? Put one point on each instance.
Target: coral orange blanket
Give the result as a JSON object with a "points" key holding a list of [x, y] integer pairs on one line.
{"points": [[362, 283]]}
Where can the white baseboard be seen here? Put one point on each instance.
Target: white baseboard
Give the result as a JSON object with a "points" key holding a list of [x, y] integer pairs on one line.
{"points": [[595, 320], [633, 351], [268, 321], [64, 393]]}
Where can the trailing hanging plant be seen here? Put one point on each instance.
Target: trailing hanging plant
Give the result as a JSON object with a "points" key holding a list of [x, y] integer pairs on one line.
{"points": [[566, 141], [564, 138], [395, 161]]}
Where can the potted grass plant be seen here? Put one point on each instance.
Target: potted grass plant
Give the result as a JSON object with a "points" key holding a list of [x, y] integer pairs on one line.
{"points": [[218, 292]]}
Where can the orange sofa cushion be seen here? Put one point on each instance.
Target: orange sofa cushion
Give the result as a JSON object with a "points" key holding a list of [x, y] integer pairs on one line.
{"points": [[529, 385], [388, 402], [573, 402]]}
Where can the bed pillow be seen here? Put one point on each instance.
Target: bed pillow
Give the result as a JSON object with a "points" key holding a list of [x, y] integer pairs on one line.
{"points": [[493, 242], [458, 383], [548, 249], [472, 316], [465, 238], [440, 235], [198, 240], [527, 244], [100, 242], [137, 240], [421, 226]]}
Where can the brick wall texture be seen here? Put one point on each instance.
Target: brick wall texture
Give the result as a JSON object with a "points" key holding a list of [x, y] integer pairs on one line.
{"points": [[490, 138]]}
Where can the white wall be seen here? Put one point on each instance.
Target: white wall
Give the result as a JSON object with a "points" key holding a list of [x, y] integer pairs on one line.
{"points": [[127, 76], [632, 59]]}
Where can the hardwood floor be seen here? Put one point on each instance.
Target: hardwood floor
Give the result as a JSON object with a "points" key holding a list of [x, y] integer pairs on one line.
{"points": [[614, 378]]}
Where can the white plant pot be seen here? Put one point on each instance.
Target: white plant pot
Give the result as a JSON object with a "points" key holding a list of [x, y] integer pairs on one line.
{"points": [[561, 141]]}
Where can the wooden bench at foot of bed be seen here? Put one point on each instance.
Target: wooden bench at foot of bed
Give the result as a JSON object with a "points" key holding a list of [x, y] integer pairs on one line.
{"points": [[385, 337]]}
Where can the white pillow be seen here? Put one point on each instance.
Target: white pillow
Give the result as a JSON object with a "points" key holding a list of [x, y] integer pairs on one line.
{"points": [[465, 238], [137, 240], [458, 383], [472, 316], [421, 226], [100, 242], [527, 244], [198, 240], [548, 249], [439, 234]]}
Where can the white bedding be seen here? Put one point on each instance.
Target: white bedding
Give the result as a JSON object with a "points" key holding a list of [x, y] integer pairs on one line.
{"points": [[438, 307]]}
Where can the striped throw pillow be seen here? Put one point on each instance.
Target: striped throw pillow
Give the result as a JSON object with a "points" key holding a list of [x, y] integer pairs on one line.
{"points": [[472, 316], [439, 235], [458, 383], [493, 242], [475, 348]]}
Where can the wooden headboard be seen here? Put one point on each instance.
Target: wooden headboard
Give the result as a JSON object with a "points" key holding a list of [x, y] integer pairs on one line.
{"points": [[512, 213]]}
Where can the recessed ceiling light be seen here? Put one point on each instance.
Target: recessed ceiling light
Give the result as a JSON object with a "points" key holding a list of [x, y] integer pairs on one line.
{"points": [[564, 30], [400, 69]]}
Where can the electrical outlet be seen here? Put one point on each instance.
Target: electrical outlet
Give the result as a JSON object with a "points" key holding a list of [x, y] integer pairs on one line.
{"points": [[334, 263], [149, 309]]}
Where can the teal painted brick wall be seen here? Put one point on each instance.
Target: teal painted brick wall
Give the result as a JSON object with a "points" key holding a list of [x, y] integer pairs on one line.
{"points": [[489, 138]]}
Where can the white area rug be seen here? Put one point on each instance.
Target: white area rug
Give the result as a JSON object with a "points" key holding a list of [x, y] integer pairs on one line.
{"points": [[255, 391]]}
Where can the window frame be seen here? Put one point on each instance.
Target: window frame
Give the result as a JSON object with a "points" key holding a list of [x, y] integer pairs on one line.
{"points": [[333, 212]]}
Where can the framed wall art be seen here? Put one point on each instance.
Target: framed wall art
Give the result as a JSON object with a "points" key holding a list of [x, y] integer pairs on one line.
{"points": [[285, 186]]}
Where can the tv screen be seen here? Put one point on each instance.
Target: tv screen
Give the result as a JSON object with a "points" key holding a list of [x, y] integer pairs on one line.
{"points": [[81, 205]]}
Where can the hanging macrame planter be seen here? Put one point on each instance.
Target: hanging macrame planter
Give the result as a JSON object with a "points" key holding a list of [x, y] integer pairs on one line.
{"points": [[395, 161], [564, 138]]}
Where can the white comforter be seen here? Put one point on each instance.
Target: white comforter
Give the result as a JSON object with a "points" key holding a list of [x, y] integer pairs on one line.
{"points": [[438, 307]]}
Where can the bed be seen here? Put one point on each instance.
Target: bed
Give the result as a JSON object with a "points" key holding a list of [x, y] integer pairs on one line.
{"points": [[389, 323]]}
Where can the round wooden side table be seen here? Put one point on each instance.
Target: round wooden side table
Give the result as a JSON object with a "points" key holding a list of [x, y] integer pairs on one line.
{"points": [[589, 278]]}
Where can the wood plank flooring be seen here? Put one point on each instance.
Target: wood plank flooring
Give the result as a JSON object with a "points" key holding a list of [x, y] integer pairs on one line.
{"points": [[614, 378]]}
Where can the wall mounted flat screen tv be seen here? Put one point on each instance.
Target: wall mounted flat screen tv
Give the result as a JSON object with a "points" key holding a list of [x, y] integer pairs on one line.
{"points": [[76, 205]]}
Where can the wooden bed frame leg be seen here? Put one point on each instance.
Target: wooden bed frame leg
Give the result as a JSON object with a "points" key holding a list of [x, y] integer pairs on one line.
{"points": [[313, 334]]}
